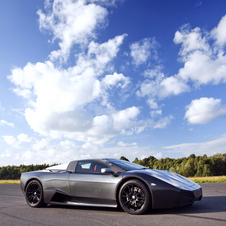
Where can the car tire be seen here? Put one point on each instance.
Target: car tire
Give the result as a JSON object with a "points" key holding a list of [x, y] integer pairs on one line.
{"points": [[134, 197], [34, 194]]}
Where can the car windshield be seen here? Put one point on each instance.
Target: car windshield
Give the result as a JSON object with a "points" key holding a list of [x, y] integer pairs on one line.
{"points": [[125, 165]]}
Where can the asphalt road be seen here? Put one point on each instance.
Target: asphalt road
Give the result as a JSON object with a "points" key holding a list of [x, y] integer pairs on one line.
{"points": [[210, 211]]}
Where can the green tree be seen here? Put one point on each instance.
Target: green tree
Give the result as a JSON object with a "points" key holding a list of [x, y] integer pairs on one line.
{"points": [[124, 158]]}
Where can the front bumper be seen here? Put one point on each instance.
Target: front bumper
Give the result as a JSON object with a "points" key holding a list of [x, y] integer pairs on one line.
{"points": [[186, 198]]}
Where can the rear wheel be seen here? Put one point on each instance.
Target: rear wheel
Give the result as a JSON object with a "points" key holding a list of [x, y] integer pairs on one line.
{"points": [[134, 197], [34, 194]]}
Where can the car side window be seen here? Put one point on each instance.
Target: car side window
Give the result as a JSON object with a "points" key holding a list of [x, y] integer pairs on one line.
{"points": [[90, 167]]}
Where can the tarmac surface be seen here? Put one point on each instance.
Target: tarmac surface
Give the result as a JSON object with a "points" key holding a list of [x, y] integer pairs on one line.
{"points": [[211, 210]]}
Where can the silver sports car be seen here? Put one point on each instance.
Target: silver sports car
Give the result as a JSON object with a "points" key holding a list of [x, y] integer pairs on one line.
{"points": [[109, 183]]}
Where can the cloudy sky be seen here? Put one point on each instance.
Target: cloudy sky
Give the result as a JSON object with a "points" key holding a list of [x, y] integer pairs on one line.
{"points": [[106, 78]]}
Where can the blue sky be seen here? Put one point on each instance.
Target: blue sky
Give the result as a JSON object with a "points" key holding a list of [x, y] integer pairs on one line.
{"points": [[94, 78]]}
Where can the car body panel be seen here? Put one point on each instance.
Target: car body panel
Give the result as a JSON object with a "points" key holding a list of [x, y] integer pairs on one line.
{"points": [[94, 186], [74, 187]]}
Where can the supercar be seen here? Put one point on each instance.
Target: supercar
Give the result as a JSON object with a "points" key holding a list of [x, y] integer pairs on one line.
{"points": [[109, 183]]}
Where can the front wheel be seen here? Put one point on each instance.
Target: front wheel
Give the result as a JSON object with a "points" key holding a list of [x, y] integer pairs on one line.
{"points": [[134, 197], [34, 194]]}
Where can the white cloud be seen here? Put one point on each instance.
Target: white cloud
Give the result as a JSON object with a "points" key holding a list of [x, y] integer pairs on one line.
{"points": [[211, 66], [122, 144], [163, 122], [52, 152], [41, 145], [209, 148], [156, 113], [115, 81], [24, 138], [7, 154], [104, 2], [26, 93], [125, 118], [150, 86], [190, 40], [152, 104], [101, 54], [11, 141], [39, 151], [119, 79], [141, 51], [71, 22], [209, 69], [172, 86], [160, 155], [17, 141], [219, 33], [157, 86], [120, 122], [204, 110], [4, 122]]}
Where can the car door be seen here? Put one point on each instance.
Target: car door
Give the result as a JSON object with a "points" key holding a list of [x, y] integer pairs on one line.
{"points": [[89, 185]]}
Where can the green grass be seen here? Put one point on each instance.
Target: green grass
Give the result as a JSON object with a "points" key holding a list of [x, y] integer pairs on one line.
{"points": [[9, 181], [208, 180]]}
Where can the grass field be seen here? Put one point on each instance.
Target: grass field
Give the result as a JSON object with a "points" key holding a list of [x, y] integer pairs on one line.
{"points": [[215, 179], [9, 181]]}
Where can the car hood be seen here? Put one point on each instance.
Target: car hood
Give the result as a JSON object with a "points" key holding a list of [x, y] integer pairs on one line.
{"points": [[172, 178]]}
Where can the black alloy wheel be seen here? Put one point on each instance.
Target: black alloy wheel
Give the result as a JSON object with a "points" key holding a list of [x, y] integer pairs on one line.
{"points": [[34, 194], [134, 197]]}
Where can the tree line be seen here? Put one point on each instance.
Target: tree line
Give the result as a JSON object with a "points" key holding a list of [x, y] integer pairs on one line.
{"points": [[192, 166], [14, 172]]}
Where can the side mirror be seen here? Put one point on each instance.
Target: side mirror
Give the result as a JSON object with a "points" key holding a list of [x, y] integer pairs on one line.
{"points": [[108, 171]]}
